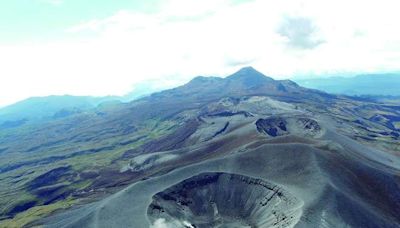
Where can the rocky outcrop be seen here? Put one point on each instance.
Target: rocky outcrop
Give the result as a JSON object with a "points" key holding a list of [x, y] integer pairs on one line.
{"points": [[309, 126], [274, 126]]}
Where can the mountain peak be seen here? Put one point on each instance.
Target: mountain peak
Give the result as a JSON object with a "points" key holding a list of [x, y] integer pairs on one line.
{"points": [[250, 77], [248, 72], [245, 81], [247, 69]]}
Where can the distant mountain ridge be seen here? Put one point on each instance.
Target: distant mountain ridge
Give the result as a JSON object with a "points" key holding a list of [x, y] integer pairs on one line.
{"points": [[44, 108], [39, 109], [245, 81], [367, 84]]}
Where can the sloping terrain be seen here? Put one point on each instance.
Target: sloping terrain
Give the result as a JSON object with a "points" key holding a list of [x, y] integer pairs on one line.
{"points": [[333, 161]]}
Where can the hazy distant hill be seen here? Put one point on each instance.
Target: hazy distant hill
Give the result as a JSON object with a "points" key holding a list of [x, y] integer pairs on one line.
{"points": [[36, 109], [44, 108], [370, 84]]}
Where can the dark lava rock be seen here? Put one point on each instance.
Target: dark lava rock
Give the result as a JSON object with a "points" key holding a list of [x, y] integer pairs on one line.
{"points": [[49, 178], [309, 125], [274, 126]]}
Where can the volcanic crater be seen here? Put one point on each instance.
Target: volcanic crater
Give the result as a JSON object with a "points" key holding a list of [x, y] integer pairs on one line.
{"points": [[225, 200]]}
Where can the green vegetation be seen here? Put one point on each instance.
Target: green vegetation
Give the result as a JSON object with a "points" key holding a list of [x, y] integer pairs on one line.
{"points": [[101, 152], [35, 213]]}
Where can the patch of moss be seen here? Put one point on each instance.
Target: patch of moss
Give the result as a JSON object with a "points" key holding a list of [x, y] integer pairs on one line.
{"points": [[24, 200], [35, 213]]}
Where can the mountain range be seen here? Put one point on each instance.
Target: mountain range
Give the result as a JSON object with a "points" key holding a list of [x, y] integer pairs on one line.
{"points": [[366, 84], [240, 151], [49, 108], [378, 87]]}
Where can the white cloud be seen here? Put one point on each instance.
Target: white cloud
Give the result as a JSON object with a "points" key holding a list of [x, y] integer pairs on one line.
{"points": [[300, 32], [212, 37]]}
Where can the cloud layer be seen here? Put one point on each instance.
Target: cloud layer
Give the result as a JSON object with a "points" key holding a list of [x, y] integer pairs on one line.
{"points": [[186, 38]]}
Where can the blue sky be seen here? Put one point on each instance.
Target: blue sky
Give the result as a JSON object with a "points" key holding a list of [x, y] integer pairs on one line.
{"points": [[109, 47], [44, 19]]}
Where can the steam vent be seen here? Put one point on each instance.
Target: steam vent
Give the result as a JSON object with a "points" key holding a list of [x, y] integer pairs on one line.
{"points": [[224, 200]]}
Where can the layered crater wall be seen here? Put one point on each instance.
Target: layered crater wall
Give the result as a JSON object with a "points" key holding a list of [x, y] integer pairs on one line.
{"points": [[225, 200], [278, 126]]}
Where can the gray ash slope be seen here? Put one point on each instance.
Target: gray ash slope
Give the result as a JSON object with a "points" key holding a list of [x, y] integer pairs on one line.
{"points": [[280, 154]]}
